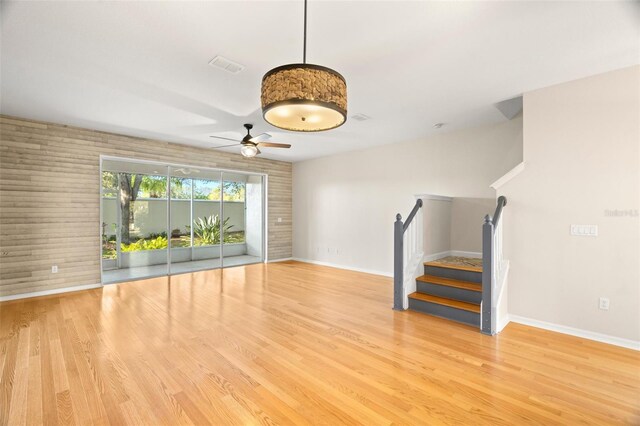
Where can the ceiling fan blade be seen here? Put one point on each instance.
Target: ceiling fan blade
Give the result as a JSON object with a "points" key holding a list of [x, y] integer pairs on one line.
{"points": [[227, 139], [226, 146], [259, 152], [260, 137], [273, 145]]}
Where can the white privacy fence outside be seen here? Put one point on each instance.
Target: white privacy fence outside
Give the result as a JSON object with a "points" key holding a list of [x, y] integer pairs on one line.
{"points": [[150, 214]]}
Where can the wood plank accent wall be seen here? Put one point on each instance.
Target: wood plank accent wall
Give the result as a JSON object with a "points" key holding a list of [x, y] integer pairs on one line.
{"points": [[50, 201]]}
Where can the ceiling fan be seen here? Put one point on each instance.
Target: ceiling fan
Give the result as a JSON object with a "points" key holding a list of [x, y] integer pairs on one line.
{"points": [[249, 145]]}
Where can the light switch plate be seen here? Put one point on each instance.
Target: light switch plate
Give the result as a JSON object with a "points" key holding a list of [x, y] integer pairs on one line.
{"points": [[584, 230]]}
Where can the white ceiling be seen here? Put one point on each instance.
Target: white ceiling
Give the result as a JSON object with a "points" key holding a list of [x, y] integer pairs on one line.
{"points": [[140, 68]]}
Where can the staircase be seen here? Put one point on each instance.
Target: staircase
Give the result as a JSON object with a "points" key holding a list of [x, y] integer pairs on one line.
{"points": [[462, 289], [450, 288]]}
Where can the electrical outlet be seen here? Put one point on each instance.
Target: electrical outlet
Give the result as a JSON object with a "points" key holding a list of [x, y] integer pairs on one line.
{"points": [[279, 220], [604, 304], [54, 269]]}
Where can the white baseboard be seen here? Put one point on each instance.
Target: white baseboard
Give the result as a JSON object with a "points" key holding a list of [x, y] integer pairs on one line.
{"points": [[349, 268], [280, 260], [502, 323], [459, 253], [49, 292], [585, 334], [435, 256]]}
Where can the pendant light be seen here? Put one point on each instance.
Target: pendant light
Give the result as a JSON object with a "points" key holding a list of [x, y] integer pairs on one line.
{"points": [[304, 97]]}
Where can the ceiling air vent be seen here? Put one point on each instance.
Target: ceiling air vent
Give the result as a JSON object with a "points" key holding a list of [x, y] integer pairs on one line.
{"points": [[226, 64], [360, 117]]}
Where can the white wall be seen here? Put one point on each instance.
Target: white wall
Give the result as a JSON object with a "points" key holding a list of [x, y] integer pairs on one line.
{"points": [[582, 157], [437, 226], [454, 224], [467, 218], [344, 205], [254, 215]]}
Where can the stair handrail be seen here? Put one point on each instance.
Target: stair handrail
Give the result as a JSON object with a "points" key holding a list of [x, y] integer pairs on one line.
{"points": [[492, 267], [502, 201], [404, 254]]}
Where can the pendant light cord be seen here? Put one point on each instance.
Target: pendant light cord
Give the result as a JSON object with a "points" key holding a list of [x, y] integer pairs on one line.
{"points": [[304, 45]]}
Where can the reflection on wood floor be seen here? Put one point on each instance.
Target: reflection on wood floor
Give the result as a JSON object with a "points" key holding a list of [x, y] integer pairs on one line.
{"points": [[291, 343]]}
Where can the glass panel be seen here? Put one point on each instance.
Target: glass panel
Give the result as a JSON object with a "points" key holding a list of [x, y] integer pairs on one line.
{"points": [[145, 226], [206, 212], [195, 209], [234, 211], [134, 221], [180, 221], [109, 219], [180, 213]]}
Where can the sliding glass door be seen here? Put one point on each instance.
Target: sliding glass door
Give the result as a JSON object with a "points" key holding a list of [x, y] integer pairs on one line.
{"points": [[195, 220], [160, 219], [134, 217], [180, 208]]}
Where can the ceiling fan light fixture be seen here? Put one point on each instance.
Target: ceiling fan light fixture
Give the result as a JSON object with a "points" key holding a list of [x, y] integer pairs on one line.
{"points": [[249, 145], [304, 97], [248, 150]]}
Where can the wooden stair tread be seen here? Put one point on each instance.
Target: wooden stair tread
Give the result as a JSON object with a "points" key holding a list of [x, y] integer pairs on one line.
{"points": [[471, 307], [449, 282], [442, 263]]}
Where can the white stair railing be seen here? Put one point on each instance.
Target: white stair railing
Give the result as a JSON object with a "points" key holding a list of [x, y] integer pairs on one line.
{"points": [[493, 268], [413, 256]]}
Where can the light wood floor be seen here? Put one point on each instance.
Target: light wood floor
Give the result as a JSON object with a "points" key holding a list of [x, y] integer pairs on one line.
{"points": [[291, 343]]}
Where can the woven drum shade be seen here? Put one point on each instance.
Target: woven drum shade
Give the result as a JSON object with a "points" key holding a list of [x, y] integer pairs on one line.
{"points": [[304, 98]]}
